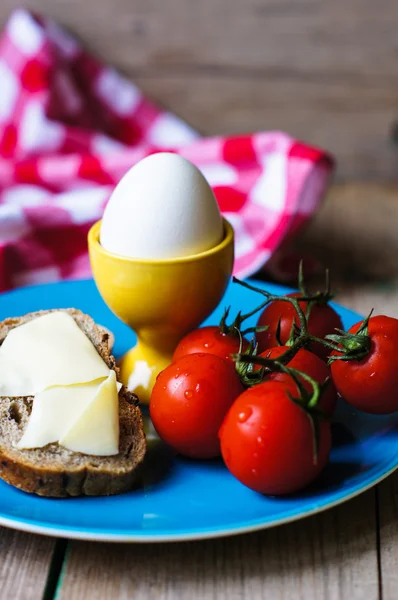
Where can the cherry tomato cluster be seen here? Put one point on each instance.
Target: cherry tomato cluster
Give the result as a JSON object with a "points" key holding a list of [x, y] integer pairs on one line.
{"points": [[266, 405]]}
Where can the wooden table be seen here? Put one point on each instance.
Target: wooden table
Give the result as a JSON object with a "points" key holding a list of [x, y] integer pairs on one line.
{"points": [[325, 72], [347, 552]]}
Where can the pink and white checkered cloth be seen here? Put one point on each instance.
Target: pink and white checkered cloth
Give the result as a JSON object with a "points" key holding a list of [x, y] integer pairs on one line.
{"points": [[70, 127]]}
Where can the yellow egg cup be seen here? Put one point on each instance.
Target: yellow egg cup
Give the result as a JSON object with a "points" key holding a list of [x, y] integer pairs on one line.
{"points": [[160, 299]]}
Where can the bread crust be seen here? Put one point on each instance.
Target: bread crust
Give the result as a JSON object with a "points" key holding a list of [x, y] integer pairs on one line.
{"points": [[84, 476]]}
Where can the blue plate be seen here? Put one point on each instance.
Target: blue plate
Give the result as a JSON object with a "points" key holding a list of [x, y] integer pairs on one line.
{"points": [[187, 500]]}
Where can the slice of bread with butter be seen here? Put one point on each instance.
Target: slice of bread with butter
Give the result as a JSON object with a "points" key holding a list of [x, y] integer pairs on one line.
{"points": [[67, 427]]}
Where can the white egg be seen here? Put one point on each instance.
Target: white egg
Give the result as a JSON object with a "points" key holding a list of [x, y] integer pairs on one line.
{"points": [[162, 208]]}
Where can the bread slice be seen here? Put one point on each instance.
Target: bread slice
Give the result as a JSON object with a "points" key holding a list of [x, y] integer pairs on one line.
{"points": [[56, 471]]}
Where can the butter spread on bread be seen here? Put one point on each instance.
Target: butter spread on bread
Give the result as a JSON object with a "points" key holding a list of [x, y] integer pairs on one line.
{"points": [[75, 392], [83, 418], [48, 351], [53, 470], [96, 430]]}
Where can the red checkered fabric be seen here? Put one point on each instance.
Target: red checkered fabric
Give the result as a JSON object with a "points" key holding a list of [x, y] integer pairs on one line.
{"points": [[70, 127]]}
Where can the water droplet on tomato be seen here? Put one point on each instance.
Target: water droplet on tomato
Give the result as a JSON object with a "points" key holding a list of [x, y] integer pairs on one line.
{"points": [[176, 376], [260, 441], [188, 394], [197, 387], [245, 414], [255, 455], [254, 471], [208, 344]]}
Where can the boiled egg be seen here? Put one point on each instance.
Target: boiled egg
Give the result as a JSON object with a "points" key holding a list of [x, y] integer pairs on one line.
{"points": [[162, 208]]}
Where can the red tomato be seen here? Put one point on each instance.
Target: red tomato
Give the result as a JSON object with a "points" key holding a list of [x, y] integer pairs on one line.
{"points": [[210, 340], [371, 384], [267, 441], [312, 365], [190, 400], [323, 320]]}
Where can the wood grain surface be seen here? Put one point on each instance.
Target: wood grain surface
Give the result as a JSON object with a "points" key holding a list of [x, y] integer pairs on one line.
{"points": [[24, 565], [388, 502], [331, 556], [355, 235], [323, 71]]}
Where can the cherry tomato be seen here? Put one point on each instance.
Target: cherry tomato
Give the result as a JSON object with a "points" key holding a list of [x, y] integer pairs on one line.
{"points": [[267, 441], [210, 340], [312, 365], [371, 384], [323, 320], [189, 401]]}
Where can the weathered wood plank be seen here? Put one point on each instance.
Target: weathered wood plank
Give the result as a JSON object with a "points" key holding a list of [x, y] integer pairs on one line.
{"points": [[323, 71], [324, 112], [388, 519], [24, 565], [257, 34], [330, 556], [355, 235]]}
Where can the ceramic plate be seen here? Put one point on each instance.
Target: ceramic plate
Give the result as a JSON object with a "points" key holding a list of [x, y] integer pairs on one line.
{"points": [[182, 499]]}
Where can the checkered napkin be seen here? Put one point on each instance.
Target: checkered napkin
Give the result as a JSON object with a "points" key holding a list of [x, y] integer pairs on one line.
{"points": [[70, 127]]}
